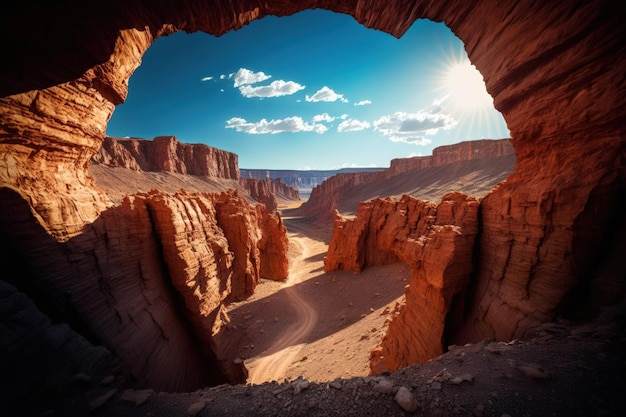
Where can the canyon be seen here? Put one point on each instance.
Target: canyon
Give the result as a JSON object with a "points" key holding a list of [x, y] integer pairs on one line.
{"points": [[147, 275]]}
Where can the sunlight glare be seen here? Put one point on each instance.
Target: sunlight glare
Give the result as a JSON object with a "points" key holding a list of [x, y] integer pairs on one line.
{"points": [[464, 95], [466, 86]]}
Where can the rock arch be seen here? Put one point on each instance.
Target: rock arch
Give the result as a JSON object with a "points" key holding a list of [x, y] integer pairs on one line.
{"points": [[548, 234]]}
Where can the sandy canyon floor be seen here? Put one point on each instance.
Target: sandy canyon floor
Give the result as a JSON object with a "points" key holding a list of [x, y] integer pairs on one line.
{"points": [[316, 325]]}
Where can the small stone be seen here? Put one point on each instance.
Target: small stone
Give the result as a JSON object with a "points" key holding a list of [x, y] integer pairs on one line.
{"points": [[384, 386], [436, 385], [137, 396], [467, 377], [336, 384], [299, 384], [493, 348], [456, 380], [99, 402], [195, 408], [406, 399], [534, 372]]}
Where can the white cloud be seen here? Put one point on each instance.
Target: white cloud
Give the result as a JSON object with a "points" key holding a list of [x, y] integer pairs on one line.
{"points": [[325, 117], [326, 94], [292, 124], [411, 127], [209, 78], [275, 89], [352, 125], [362, 103], [244, 76]]}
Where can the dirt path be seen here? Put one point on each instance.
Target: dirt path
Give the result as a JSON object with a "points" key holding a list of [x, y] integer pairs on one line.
{"points": [[286, 348], [317, 325]]}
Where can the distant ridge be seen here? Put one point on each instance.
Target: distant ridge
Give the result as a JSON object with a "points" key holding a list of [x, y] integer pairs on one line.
{"points": [[304, 180]]}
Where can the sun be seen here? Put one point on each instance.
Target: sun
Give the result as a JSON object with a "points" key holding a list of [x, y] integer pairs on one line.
{"points": [[462, 93], [465, 87]]}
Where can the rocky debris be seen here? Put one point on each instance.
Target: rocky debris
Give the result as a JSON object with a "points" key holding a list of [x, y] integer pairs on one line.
{"points": [[430, 389]]}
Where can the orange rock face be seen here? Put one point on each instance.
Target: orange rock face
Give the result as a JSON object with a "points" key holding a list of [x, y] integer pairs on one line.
{"points": [[436, 241], [267, 191], [167, 153], [464, 151], [149, 279], [334, 192], [549, 235]]}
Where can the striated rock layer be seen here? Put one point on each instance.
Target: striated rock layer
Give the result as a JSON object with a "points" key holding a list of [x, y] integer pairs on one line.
{"points": [[150, 277], [548, 234], [338, 191], [167, 153], [435, 241]]}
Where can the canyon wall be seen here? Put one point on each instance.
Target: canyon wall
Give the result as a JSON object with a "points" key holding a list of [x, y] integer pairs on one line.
{"points": [[436, 241], [167, 153], [304, 180], [148, 280], [547, 238], [336, 191], [443, 155], [268, 191]]}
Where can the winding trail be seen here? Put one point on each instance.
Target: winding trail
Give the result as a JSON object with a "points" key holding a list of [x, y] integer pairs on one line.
{"points": [[275, 361]]}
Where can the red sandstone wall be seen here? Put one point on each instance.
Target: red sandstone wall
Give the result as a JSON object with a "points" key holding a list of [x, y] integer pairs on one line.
{"points": [[167, 153], [437, 243], [324, 197]]}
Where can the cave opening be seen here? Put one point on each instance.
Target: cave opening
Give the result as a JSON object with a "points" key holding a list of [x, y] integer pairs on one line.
{"points": [[250, 92], [559, 84]]}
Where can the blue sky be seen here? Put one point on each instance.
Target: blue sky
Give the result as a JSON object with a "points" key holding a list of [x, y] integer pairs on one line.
{"points": [[315, 90]]}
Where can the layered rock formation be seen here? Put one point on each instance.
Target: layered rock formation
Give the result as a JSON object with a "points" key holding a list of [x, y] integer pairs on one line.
{"points": [[435, 241], [443, 155], [303, 181], [150, 277], [548, 235], [167, 153], [417, 175], [269, 191]]}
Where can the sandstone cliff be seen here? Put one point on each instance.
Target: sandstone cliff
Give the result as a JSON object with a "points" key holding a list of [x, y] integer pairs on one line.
{"points": [[149, 279], [435, 241], [548, 235], [463, 151], [270, 191], [471, 167], [167, 153]]}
